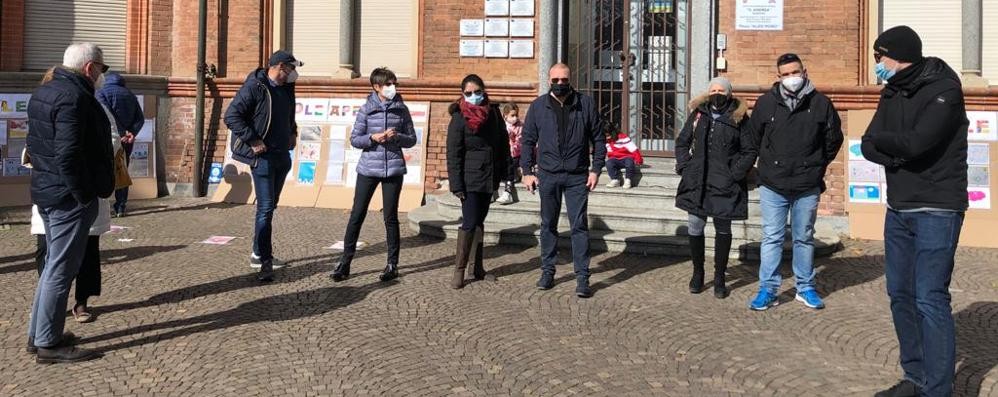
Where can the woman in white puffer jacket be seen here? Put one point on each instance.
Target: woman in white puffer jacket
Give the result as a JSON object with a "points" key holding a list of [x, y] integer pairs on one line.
{"points": [[88, 280]]}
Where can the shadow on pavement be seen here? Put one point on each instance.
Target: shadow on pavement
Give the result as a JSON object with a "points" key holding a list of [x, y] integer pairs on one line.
{"points": [[976, 346]]}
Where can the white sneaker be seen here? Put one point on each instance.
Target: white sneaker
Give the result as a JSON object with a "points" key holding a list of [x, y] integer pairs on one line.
{"points": [[256, 263], [613, 183], [505, 198], [627, 183]]}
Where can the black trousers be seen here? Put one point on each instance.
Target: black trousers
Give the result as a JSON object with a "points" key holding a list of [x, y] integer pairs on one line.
{"points": [[88, 280], [474, 209], [391, 189]]}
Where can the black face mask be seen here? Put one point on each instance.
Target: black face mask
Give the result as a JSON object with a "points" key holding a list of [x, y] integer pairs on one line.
{"points": [[561, 89], [718, 101]]}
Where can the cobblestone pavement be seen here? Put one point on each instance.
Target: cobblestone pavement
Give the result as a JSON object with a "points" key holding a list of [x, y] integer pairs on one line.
{"points": [[180, 318]]}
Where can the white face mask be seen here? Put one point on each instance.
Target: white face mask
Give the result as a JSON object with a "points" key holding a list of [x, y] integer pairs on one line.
{"points": [[793, 83], [292, 77], [512, 120], [388, 91], [100, 82]]}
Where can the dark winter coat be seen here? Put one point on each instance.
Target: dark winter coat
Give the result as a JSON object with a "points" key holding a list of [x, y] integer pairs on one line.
{"points": [[713, 157], [69, 142], [476, 162], [795, 145], [249, 115], [123, 104], [584, 137], [919, 133], [382, 160]]}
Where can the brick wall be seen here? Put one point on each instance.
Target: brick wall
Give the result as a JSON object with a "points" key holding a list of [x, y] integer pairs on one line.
{"points": [[825, 33], [12, 32], [441, 37], [160, 37]]}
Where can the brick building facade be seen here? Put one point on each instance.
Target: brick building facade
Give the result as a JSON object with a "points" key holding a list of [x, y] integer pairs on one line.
{"points": [[161, 41]]}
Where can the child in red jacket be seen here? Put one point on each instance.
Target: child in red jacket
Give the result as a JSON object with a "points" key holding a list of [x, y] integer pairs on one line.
{"points": [[621, 152]]}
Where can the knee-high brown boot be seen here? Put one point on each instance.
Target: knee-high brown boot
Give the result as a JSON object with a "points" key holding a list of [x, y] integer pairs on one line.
{"points": [[464, 243]]}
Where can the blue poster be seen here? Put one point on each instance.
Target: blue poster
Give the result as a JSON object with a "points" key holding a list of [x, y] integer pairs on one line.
{"points": [[215, 176], [306, 173]]}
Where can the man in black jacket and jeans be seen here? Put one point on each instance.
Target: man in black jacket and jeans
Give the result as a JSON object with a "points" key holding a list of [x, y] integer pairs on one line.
{"points": [[799, 134], [69, 143], [262, 120], [565, 127], [919, 134]]}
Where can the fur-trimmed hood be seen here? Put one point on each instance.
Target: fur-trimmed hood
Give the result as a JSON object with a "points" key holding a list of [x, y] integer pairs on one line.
{"points": [[741, 108]]}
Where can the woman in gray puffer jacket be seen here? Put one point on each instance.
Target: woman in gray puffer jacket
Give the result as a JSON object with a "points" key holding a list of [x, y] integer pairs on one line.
{"points": [[383, 128]]}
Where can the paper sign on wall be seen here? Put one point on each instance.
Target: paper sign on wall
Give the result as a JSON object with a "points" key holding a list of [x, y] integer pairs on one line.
{"points": [[983, 126], [759, 15]]}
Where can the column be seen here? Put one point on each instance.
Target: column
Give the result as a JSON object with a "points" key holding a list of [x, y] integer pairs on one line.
{"points": [[972, 37], [346, 69]]}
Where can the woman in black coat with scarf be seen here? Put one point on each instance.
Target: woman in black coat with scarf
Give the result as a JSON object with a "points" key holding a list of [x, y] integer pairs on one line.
{"points": [[714, 152], [477, 148]]}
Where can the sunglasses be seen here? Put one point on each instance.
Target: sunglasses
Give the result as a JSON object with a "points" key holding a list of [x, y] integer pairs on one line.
{"points": [[559, 81], [877, 56], [103, 67], [468, 94]]}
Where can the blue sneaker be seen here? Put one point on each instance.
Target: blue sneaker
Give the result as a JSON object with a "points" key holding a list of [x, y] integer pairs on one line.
{"points": [[811, 299], [764, 300]]}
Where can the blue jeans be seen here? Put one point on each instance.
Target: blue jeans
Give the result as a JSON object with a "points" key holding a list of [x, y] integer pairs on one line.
{"points": [[66, 227], [552, 187], [803, 208], [613, 167], [919, 249], [268, 180]]}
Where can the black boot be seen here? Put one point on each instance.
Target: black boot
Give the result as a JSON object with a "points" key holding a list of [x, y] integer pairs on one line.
{"points": [[582, 288], [266, 274], [465, 242], [696, 253], [722, 248], [342, 271], [391, 272]]}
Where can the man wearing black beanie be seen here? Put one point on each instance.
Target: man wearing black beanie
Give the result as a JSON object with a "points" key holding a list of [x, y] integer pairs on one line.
{"points": [[919, 134]]}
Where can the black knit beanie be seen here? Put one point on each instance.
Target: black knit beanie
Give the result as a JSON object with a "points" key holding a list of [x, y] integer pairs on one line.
{"points": [[900, 43]]}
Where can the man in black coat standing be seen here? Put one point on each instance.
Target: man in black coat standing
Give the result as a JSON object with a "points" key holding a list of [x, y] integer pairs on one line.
{"points": [[565, 128], [69, 143], [919, 134], [800, 134]]}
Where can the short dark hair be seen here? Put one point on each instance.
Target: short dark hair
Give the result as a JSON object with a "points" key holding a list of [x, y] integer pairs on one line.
{"points": [[788, 58], [472, 78], [382, 76]]}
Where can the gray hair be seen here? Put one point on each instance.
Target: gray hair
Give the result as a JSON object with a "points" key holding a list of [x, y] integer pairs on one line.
{"points": [[77, 55], [721, 81]]}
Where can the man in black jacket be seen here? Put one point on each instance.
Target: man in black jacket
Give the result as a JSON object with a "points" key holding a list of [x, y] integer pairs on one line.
{"points": [[564, 127], [69, 144], [262, 120], [919, 134], [799, 135]]}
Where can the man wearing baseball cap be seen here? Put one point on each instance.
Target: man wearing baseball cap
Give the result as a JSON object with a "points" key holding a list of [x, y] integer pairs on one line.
{"points": [[262, 120], [919, 134]]}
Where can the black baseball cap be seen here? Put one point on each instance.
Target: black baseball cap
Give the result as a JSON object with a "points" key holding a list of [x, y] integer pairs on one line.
{"points": [[788, 58], [282, 56]]}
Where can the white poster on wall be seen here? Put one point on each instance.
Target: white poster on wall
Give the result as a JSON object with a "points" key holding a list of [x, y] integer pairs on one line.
{"points": [[521, 48], [472, 27], [759, 15], [472, 48], [497, 8], [521, 27], [521, 8], [497, 27], [497, 48], [983, 126], [14, 106]]}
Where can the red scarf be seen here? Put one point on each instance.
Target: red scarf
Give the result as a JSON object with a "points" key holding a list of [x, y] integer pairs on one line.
{"points": [[475, 115]]}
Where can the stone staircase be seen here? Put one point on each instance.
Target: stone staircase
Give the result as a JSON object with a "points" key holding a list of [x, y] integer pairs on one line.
{"points": [[641, 220]]}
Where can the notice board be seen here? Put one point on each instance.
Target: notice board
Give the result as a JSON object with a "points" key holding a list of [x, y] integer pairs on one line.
{"points": [[323, 172], [15, 180], [866, 188]]}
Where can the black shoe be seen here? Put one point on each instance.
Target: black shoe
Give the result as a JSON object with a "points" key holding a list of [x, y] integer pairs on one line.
{"points": [[546, 282], [266, 274], [720, 290], [391, 272], [904, 388], [341, 273], [696, 282], [68, 339], [66, 354], [582, 289]]}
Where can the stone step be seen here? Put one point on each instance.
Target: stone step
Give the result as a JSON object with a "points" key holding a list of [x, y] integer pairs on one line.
{"points": [[429, 221], [639, 199], [601, 217]]}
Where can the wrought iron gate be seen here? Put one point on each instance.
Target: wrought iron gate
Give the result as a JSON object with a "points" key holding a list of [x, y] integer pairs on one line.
{"points": [[647, 41]]}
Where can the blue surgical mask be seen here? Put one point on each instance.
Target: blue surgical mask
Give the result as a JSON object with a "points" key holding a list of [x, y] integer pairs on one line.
{"points": [[883, 73], [475, 99]]}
